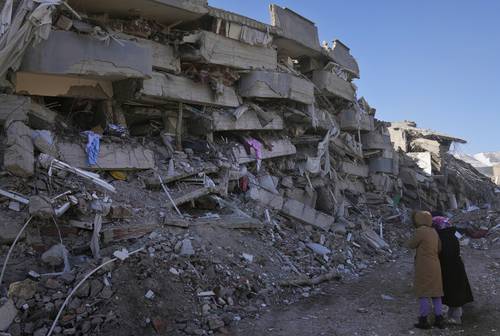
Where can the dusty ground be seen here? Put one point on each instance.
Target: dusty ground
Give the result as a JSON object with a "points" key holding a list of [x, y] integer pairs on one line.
{"points": [[358, 308]]}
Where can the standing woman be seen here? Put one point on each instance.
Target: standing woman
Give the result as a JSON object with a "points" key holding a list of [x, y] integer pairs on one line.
{"points": [[428, 282], [457, 291]]}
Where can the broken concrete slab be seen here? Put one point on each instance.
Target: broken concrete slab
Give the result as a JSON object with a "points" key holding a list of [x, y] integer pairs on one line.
{"points": [[41, 207], [351, 168], [249, 121], [14, 108], [188, 196], [62, 86], [276, 85], [112, 156], [267, 198], [44, 142], [24, 290], [423, 160], [163, 11], [374, 240], [238, 19], [352, 120], [409, 177], [42, 118], [341, 55], [382, 165], [19, 156], [306, 214], [280, 147], [376, 140], [9, 228], [382, 182], [166, 87], [296, 35], [426, 145], [413, 131], [210, 48], [55, 255], [302, 196], [85, 56], [331, 85], [399, 139], [8, 313], [164, 57], [119, 233], [354, 186], [239, 223]]}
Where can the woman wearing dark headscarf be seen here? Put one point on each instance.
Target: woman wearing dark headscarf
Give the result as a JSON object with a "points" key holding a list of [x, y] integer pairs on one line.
{"points": [[457, 291]]}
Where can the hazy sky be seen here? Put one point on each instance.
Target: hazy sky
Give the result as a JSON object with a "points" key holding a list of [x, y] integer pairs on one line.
{"points": [[436, 62]]}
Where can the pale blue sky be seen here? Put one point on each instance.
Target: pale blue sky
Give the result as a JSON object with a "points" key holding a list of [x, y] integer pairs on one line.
{"points": [[436, 62]]}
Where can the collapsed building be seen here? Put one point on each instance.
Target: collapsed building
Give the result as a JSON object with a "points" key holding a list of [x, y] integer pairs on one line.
{"points": [[194, 103]]}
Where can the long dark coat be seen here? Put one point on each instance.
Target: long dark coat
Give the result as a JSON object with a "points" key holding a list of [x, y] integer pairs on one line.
{"points": [[457, 291]]}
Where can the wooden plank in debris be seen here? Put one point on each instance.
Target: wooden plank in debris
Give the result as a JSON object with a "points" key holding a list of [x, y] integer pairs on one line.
{"points": [[129, 232], [177, 222], [192, 195], [154, 183], [240, 223], [81, 225], [226, 222]]}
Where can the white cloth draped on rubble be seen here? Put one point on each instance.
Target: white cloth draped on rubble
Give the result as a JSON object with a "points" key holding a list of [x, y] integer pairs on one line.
{"points": [[31, 24], [313, 164]]}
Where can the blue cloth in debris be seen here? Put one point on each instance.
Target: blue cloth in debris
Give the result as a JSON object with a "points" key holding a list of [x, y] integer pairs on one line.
{"points": [[93, 147]]}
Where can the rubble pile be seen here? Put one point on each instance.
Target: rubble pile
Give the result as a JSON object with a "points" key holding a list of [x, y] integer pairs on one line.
{"points": [[234, 157]]}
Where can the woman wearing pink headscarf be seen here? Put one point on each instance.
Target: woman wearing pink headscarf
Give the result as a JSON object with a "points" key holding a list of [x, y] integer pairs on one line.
{"points": [[457, 290]]}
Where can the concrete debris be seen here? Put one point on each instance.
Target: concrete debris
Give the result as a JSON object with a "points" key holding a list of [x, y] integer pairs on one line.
{"points": [[295, 33], [41, 207], [276, 85], [55, 255], [186, 248], [308, 215], [207, 47], [8, 313], [14, 108], [149, 295], [19, 156], [331, 85], [111, 156], [340, 54], [165, 87], [164, 56], [87, 56], [24, 290], [234, 154], [319, 249]]}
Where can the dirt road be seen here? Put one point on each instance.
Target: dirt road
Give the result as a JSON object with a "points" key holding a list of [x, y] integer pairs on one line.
{"points": [[382, 303]]}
